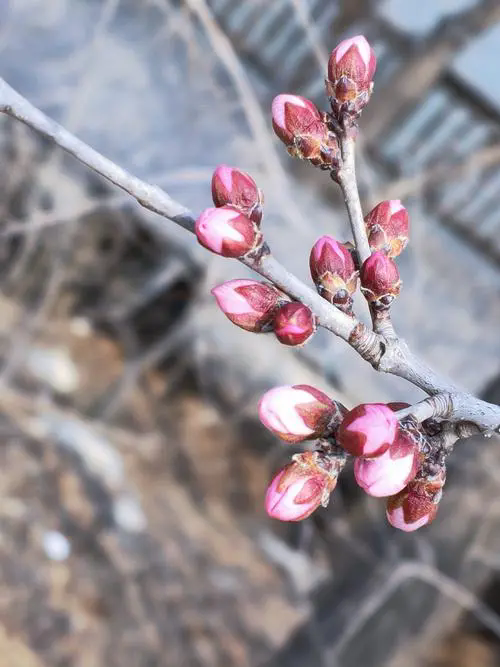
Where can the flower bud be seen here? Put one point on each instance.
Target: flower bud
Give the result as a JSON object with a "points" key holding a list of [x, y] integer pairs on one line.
{"points": [[227, 232], [390, 473], [380, 281], [368, 430], [248, 303], [300, 488], [416, 505], [350, 72], [302, 128], [294, 324], [238, 189], [333, 272], [299, 412], [387, 226]]}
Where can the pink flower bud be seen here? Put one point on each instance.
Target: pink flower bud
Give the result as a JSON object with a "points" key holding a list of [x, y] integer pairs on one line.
{"points": [[390, 473], [239, 190], [299, 412], [294, 324], [299, 488], [333, 272], [302, 128], [368, 430], [350, 72], [248, 303], [417, 504], [227, 232], [380, 282], [388, 227]]}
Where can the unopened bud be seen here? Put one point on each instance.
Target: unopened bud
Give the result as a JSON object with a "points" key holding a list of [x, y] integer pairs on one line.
{"points": [[236, 188], [417, 504], [350, 75], [380, 281], [300, 488], [333, 272], [248, 303], [390, 473], [368, 430], [299, 412], [294, 324], [227, 232], [387, 226], [303, 129]]}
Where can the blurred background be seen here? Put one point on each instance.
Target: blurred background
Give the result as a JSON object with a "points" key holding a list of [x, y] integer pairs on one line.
{"points": [[132, 466]]}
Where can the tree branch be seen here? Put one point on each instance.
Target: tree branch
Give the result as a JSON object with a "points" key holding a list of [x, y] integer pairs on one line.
{"points": [[389, 356]]}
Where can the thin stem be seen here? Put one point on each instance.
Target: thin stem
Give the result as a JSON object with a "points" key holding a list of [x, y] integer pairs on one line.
{"points": [[347, 180]]}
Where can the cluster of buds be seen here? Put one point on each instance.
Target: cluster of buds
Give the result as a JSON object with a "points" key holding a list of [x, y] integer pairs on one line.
{"points": [[350, 77], [305, 132], [388, 456], [333, 272]]}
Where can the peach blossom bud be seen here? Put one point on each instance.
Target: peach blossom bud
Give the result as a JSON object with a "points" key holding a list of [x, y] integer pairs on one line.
{"points": [[368, 430], [248, 303], [417, 504], [302, 128], [227, 232], [380, 281], [390, 473], [299, 412], [333, 272], [238, 189], [350, 73], [300, 488], [294, 324], [387, 226]]}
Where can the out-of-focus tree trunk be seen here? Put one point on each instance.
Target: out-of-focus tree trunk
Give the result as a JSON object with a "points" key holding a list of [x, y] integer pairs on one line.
{"points": [[414, 78]]}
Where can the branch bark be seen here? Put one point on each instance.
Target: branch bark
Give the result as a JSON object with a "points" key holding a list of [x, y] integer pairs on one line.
{"points": [[386, 355]]}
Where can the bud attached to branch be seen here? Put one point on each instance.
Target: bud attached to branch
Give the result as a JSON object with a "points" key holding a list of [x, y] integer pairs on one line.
{"points": [[417, 504], [368, 430], [333, 272], [390, 473], [380, 281], [350, 76], [227, 232], [303, 129], [299, 412], [236, 188], [301, 487], [387, 226], [249, 304], [294, 324]]}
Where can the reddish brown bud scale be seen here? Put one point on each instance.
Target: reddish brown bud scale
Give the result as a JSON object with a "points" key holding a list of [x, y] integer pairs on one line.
{"points": [[416, 505], [249, 304], [294, 324], [380, 281], [387, 226], [333, 272], [227, 232], [236, 188]]}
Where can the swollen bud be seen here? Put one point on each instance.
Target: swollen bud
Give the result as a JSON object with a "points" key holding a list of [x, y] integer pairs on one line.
{"points": [[227, 232], [301, 487], [238, 189], [302, 128], [299, 412], [387, 227], [390, 473], [380, 281], [248, 303], [294, 324], [417, 504], [350, 75], [368, 430], [333, 272]]}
